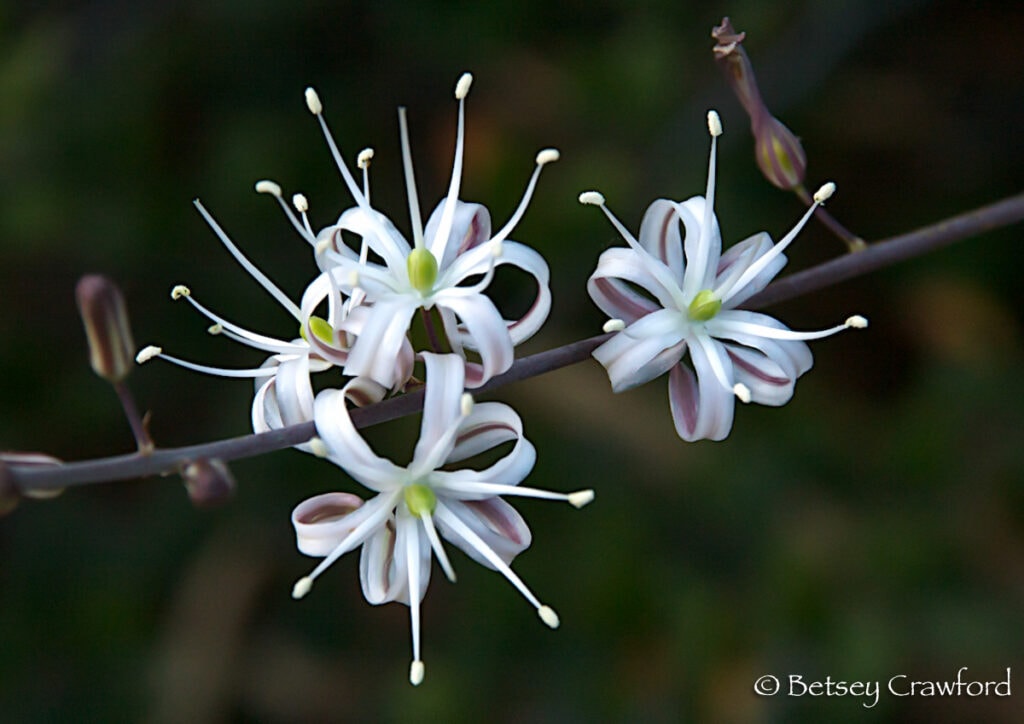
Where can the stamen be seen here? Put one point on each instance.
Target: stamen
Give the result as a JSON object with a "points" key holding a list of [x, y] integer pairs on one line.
{"points": [[544, 157], [714, 123], [614, 325], [363, 162], [548, 616], [592, 198], [416, 671], [268, 187], [412, 552], [215, 329], [824, 193], [742, 392], [462, 87], [313, 102], [318, 447], [302, 587], [857, 322], [229, 329], [435, 544], [301, 203], [581, 498], [578, 499], [179, 291], [727, 327], [410, 180], [148, 353], [259, 276], [466, 404]]}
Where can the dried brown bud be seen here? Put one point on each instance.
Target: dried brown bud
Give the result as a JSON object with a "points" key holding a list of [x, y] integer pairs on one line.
{"points": [[209, 483], [777, 150], [105, 316]]}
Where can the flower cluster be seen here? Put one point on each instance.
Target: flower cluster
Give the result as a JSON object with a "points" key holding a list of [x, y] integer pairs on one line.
{"points": [[670, 292]]}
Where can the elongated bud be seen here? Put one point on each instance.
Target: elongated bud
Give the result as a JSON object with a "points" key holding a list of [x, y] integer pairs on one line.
{"points": [[777, 150], [105, 317], [209, 483]]}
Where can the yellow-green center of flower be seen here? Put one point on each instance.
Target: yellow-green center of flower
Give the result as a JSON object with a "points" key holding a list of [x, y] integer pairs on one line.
{"points": [[419, 498], [321, 329], [422, 268], [704, 306]]}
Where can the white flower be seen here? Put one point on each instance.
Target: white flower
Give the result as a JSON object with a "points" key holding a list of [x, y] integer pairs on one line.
{"points": [[418, 504], [284, 393], [692, 293], [448, 266]]}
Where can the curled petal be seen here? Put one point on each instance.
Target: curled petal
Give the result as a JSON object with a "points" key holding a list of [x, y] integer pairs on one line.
{"points": [[322, 522], [484, 327], [376, 351], [659, 234], [702, 407], [384, 563], [793, 356], [766, 380], [737, 260], [495, 522], [441, 403], [380, 234], [618, 263], [471, 227], [646, 349]]}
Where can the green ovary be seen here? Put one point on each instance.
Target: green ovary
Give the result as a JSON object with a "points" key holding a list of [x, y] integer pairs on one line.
{"points": [[422, 267], [419, 498], [321, 329], [704, 306]]}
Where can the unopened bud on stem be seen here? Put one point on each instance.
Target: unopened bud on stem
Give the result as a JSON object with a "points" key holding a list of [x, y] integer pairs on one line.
{"points": [[105, 316], [209, 483]]}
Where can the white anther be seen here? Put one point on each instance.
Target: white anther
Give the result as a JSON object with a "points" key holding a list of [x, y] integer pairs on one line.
{"points": [[322, 246], [462, 87], [148, 353], [466, 404], [614, 325], [301, 203], [742, 392], [353, 278], [318, 447], [215, 328], [416, 671], [302, 587], [580, 498], [548, 155], [824, 193], [364, 158], [714, 124], [179, 291], [268, 187], [857, 322], [497, 248], [592, 198], [548, 616], [313, 102]]}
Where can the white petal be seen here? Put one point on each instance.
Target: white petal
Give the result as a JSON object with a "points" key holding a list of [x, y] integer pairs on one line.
{"points": [[485, 327], [702, 408], [381, 236], [703, 246], [471, 227], [498, 525], [659, 234], [736, 261], [627, 265], [375, 352], [767, 381], [794, 356], [347, 447], [441, 404], [644, 350], [323, 521]]}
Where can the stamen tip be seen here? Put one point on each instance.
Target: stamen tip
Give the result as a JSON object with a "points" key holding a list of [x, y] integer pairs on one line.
{"points": [[416, 671], [148, 353], [318, 447], [364, 158], [462, 87], [548, 616], [857, 322], [215, 328], [592, 198], [497, 248], [581, 498], [313, 102], [302, 587], [714, 124], [614, 325], [267, 186], [466, 404], [322, 246], [824, 193], [301, 203], [179, 291], [548, 155], [742, 392]]}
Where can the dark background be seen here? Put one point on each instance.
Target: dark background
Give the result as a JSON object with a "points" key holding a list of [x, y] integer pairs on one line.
{"points": [[872, 527]]}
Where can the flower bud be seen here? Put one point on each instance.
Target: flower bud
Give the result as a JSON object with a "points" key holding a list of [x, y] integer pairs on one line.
{"points": [[103, 311], [209, 483], [777, 150], [779, 154]]}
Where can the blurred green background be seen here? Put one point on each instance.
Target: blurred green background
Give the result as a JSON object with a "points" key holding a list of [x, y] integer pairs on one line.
{"points": [[872, 527]]}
